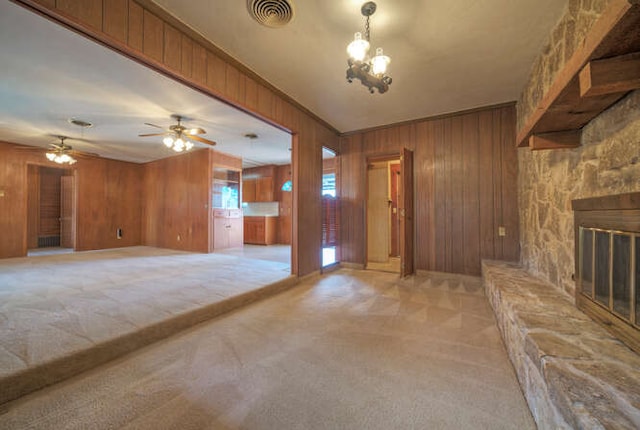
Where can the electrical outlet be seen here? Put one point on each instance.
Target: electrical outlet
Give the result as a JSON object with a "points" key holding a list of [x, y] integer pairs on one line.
{"points": [[119, 233], [502, 231], [179, 238]]}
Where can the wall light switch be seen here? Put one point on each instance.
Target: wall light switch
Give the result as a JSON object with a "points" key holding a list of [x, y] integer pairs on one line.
{"points": [[502, 231]]}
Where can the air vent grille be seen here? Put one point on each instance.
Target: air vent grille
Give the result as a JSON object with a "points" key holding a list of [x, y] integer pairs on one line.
{"points": [[271, 13]]}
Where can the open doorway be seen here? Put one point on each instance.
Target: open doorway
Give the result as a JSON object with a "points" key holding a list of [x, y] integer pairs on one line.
{"points": [[389, 233], [330, 208], [51, 210], [383, 227]]}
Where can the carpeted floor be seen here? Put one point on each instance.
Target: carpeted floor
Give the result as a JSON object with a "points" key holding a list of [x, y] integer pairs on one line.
{"points": [[64, 311], [349, 350]]}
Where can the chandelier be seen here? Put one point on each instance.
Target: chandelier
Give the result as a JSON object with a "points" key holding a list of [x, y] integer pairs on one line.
{"points": [[60, 153], [370, 71]]}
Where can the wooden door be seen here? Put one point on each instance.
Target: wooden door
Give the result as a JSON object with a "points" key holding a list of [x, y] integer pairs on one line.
{"points": [[406, 213], [395, 186], [67, 211], [377, 214]]}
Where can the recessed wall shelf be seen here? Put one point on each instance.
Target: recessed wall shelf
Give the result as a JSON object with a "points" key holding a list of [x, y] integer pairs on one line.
{"points": [[599, 73]]}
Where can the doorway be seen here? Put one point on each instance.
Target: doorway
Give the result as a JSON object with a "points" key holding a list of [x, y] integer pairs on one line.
{"points": [[382, 215], [330, 208], [389, 216], [51, 210]]}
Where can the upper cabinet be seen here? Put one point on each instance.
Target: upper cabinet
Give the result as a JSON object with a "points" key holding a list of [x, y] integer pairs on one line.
{"points": [[258, 184]]}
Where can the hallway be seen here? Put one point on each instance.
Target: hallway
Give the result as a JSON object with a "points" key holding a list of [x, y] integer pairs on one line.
{"points": [[352, 349]]}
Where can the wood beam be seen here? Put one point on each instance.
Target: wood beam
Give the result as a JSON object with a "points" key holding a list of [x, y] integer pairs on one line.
{"points": [[611, 75], [614, 33], [555, 140]]}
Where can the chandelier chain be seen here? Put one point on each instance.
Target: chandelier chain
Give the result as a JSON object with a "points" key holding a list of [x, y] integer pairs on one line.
{"points": [[366, 29]]}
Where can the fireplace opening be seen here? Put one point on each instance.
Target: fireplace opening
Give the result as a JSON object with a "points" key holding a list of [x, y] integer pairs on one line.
{"points": [[608, 263], [610, 258]]}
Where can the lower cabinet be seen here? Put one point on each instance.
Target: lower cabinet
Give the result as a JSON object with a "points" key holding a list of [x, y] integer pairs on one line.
{"points": [[260, 230], [227, 228]]}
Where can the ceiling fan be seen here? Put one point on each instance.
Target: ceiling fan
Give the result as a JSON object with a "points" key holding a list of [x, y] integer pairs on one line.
{"points": [[60, 152], [178, 137]]}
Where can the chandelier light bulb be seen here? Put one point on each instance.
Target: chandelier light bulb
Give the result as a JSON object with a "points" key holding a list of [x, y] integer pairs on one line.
{"points": [[380, 62], [359, 48], [188, 145], [50, 156], [168, 141]]}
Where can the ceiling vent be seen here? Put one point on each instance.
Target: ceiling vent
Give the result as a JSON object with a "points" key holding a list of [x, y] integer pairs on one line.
{"points": [[271, 13]]}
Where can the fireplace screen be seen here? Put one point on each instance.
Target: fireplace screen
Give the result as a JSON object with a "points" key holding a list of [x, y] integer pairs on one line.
{"points": [[609, 271]]}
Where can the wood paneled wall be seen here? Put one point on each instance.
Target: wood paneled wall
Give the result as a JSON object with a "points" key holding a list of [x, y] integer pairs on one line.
{"points": [[284, 198], [177, 201], [108, 197], [143, 31], [465, 181]]}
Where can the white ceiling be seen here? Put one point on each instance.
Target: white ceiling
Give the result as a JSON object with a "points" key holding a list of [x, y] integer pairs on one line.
{"points": [[446, 56], [50, 74]]}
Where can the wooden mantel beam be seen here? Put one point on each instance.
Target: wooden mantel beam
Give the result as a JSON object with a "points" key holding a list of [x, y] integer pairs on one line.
{"points": [[611, 75], [555, 140], [615, 33]]}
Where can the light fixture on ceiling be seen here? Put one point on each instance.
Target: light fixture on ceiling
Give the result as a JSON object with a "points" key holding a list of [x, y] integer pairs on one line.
{"points": [[60, 153], [177, 142], [178, 137], [370, 71]]}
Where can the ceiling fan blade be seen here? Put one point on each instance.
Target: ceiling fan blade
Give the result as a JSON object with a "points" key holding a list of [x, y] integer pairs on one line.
{"points": [[153, 125], [81, 154], [202, 140], [152, 134], [30, 148], [192, 131]]}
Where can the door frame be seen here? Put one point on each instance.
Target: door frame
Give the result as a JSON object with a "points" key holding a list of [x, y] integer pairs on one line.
{"points": [[407, 262]]}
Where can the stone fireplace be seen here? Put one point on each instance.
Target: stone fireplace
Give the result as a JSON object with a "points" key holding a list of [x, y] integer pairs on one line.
{"points": [[607, 256]]}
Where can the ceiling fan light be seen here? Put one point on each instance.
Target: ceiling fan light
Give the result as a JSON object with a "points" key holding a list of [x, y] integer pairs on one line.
{"points": [[188, 145], [178, 145], [168, 141], [358, 49], [50, 156], [64, 158], [380, 62]]}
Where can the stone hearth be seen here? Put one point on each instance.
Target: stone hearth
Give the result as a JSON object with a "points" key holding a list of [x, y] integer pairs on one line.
{"points": [[573, 373]]}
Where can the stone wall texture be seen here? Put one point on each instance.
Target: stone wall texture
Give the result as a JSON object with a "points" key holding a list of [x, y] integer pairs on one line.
{"points": [[563, 41], [608, 162]]}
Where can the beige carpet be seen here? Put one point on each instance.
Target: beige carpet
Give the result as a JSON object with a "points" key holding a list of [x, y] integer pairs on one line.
{"points": [[349, 350], [64, 313]]}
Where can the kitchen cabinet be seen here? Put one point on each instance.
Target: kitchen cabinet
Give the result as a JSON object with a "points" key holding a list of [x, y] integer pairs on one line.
{"points": [[227, 228], [264, 189], [249, 190], [226, 187], [260, 230], [258, 190]]}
